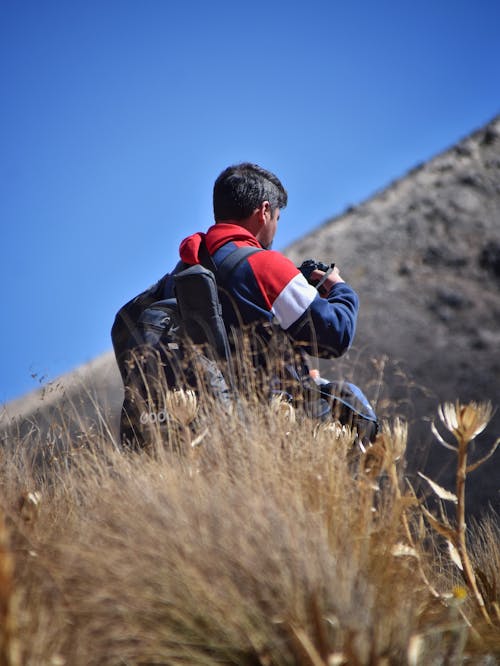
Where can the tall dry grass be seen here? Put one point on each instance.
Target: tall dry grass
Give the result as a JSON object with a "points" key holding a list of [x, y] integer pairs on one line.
{"points": [[251, 538]]}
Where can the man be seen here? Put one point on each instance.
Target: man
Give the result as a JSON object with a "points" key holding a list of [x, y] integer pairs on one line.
{"points": [[247, 202], [267, 287], [266, 293]]}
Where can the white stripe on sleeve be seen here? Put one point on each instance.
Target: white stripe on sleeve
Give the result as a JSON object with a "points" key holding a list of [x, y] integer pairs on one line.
{"points": [[293, 301]]}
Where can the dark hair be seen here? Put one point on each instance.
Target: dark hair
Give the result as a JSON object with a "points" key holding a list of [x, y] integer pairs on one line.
{"points": [[242, 188]]}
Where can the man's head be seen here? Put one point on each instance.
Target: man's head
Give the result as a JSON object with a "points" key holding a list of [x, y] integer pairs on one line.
{"points": [[248, 195]]}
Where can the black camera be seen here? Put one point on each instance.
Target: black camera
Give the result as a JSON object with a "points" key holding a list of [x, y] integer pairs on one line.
{"points": [[310, 265]]}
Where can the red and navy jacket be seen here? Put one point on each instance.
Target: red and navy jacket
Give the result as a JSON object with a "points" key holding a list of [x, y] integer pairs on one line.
{"points": [[269, 287]]}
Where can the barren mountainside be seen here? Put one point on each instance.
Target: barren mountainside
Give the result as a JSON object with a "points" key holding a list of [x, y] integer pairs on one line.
{"points": [[424, 257]]}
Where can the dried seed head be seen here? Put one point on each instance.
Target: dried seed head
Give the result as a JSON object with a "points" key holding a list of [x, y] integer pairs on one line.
{"points": [[465, 421], [375, 459], [182, 405], [282, 408], [399, 438], [393, 438], [343, 438], [29, 505]]}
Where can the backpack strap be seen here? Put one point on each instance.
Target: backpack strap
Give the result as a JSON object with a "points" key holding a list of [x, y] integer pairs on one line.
{"points": [[233, 260], [228, 264], [206, 258]]}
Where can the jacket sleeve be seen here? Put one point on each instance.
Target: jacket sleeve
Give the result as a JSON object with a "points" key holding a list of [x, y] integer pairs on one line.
{"points": [[327, 327]]}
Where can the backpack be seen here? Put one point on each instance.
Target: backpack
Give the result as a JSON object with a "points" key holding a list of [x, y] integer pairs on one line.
{"points": [[181, 342]]}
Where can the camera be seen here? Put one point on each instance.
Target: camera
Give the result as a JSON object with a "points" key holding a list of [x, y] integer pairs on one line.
{"points": [[310, 265]]}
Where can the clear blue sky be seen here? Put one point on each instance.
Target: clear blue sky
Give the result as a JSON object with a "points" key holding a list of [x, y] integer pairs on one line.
{"points": [[117, 116]]}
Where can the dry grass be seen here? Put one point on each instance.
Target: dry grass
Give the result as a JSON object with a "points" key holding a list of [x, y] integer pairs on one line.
{"points": [[266, 541]]}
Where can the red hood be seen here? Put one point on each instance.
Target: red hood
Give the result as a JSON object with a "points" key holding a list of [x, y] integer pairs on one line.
{"points": [[216, 236]]}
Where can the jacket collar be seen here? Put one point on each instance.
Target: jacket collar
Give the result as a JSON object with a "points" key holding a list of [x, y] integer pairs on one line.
{"points": [[216, 236]]}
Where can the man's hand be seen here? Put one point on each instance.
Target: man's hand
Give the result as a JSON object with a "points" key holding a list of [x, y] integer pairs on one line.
{"points": [[333, 278]]}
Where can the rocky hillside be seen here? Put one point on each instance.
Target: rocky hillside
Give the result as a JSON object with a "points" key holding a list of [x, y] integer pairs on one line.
{"points": [[424, 256]]}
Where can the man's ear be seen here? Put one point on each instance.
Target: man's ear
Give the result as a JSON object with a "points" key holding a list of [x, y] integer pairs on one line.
{"points": [[258, 219], [264, 208]]}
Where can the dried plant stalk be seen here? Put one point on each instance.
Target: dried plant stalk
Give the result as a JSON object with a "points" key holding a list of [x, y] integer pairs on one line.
{"points": [[464, 422], [8, 644]]}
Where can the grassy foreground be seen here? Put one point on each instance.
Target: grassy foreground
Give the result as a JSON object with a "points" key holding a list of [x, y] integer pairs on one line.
{"points": [[263, 540]]}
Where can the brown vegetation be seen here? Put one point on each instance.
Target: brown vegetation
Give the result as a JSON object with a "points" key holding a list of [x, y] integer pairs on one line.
{"points": [[264, 539]]}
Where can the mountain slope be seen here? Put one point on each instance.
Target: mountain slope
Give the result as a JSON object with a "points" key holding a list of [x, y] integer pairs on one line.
{"points": [[424, 256]]}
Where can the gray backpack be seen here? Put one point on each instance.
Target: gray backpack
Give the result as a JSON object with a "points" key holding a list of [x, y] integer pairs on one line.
{"points": [[174, 343]]}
